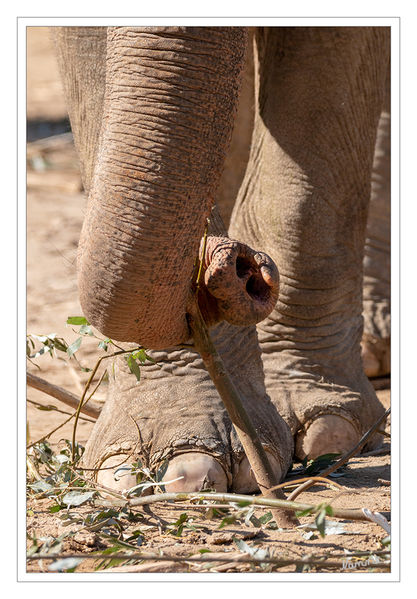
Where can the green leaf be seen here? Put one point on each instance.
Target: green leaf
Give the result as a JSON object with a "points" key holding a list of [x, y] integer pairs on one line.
{"points": [[47, 408], [161, 471], [85, 330], [179, 525], [41, 486], [133, 366], [304, 512], [321, 522], [139, 355], [67, 564], [74, 347], [265, 518], [76, 498], [142, 356], [60, 344], [318, 464], [55, 508], [227, 520], [77, 320], [103, 345], [150, 359]]}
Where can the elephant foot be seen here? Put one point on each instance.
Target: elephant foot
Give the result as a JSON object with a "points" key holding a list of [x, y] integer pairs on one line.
{"points": [[328, 404], [376, 339], [325, 417], [174, 413], [376, 355]]}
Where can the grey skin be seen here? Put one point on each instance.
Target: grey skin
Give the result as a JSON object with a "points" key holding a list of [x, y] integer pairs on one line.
{"points": [[159, 133], [376, 338]]}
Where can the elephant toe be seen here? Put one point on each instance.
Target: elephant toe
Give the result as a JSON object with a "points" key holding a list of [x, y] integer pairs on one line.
{"points": [[244, 479], [195, 472], [109, 476], [376, 356], [327, 434]]}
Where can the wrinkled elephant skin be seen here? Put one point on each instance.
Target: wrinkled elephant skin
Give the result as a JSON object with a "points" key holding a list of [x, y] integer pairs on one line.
{"points": [[283, 295]]}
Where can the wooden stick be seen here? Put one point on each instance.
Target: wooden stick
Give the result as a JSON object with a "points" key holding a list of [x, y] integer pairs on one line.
{"points": [[272, 502], [321, 562], [264, 475], [68, 398]]}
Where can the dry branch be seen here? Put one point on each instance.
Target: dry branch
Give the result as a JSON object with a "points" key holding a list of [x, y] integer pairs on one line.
{"points": [[234, 558], [68, 398], [280, 504], [264, 475]]}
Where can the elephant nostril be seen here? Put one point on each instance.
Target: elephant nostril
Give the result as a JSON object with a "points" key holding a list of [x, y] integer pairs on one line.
{"points": [[257, 288], [256, 285], [244, 267], [241, 285]]}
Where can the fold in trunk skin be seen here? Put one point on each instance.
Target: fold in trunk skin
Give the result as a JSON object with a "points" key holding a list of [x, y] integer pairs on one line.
{"points": [[170, 101]]}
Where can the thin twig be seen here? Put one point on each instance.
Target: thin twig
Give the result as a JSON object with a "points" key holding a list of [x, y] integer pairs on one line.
{"points": [[318, 479], [62, 395], [83, 401], [321, 562], [380, 451], [32, 469], [50, 432], [51, 408], [95, 485], [345, 458], [346, 514]]}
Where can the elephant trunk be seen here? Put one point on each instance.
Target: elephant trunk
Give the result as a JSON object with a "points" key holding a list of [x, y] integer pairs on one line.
{"points": [[169, 105], [240, 284]]}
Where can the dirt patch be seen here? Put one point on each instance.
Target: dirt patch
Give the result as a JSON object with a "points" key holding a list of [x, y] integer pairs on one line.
{"points": [[55, 208], [206, 533]]}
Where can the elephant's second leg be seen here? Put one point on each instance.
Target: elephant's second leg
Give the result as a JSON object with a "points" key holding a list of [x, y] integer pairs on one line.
{"points": [[376, 276], [304, 201], [175, 413]]}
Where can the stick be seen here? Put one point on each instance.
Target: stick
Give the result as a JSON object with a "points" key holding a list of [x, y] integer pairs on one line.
{"points": [[264, 475], [281, 504], [52, 408], [319, 562], [63, 395]]}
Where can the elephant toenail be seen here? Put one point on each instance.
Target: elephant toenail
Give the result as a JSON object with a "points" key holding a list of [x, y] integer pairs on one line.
{"points": [[327, 434], [194, 472], [244, 481], [114, 474]]}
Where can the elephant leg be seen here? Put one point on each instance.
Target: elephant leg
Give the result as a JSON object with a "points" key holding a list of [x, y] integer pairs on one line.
{"points": [[304, 201], [238, 154], [81, 56], [376, 276], [174, 413]]}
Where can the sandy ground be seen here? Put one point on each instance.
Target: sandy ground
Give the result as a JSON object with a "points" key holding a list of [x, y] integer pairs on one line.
{"points": [[55, 206]]}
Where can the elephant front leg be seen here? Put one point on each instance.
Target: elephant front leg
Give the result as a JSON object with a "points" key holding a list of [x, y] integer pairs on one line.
{"points": [[304, 201], [174, 412], [376, 339]]}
